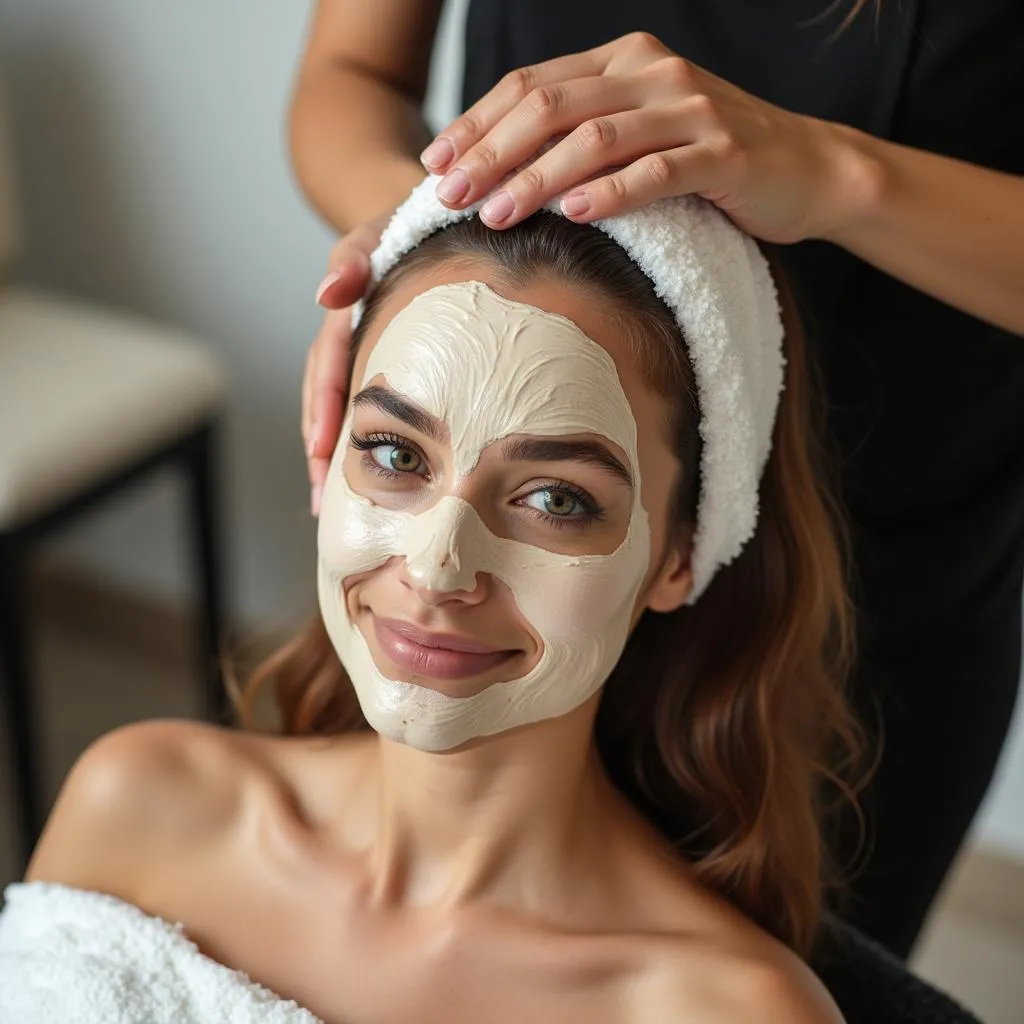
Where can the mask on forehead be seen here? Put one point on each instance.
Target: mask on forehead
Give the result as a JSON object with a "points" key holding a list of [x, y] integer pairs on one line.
{"points": [[488, 368]]}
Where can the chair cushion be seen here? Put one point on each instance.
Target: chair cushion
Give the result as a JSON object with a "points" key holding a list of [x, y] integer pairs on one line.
{"points": [[84, 391], [870, 986]]}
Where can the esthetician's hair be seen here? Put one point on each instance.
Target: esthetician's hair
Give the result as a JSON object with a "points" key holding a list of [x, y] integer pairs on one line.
{"points": [[724, 722]]}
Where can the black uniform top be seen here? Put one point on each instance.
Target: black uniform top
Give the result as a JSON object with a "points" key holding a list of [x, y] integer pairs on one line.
{"points": [[926, 404]]}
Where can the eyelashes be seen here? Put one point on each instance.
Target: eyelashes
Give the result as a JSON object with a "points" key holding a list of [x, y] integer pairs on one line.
{"points": [[590, 511], [367, 442]]}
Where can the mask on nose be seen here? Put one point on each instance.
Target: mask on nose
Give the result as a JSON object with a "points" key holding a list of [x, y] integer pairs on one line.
{"points": [[489, 368], [439, 546]]}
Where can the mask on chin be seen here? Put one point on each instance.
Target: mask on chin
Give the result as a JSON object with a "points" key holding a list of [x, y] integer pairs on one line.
{"points": [[489, 368]]}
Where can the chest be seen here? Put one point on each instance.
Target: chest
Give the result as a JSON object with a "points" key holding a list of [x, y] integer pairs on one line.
{"points": [[349, 965]]}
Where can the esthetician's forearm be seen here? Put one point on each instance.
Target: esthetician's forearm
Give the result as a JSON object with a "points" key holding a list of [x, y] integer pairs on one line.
{"points": [[355, 143], [950, 229]]}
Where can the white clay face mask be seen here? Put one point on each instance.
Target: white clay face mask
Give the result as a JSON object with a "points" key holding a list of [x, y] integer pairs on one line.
{"points": [[488, 368]]}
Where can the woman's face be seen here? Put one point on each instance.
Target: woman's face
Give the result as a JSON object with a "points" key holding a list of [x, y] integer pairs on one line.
{"points": [[496, 517]]}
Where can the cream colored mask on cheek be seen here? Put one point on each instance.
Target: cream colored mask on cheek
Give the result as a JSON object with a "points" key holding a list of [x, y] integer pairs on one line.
{"points": [[488, 368]]}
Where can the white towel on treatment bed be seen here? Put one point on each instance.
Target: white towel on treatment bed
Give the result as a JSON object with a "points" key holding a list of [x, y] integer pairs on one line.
{"points": [[73, 957]]}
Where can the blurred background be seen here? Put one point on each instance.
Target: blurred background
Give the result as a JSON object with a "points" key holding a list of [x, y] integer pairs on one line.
{"points": [[148, 144]]}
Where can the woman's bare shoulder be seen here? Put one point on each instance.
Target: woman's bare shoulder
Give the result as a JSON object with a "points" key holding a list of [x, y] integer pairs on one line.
{"points": [[717, 985], [704, 960], [141, 794]]}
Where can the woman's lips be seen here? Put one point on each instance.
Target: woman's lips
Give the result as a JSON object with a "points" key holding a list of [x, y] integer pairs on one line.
{"points": [[436, 655]]}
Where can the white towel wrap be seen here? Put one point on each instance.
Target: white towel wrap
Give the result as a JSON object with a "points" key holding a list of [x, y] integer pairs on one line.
{"points": [[68, 956]]}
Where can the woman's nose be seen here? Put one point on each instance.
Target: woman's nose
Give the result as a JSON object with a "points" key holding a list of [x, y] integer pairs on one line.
{"points": [[442, 546]]}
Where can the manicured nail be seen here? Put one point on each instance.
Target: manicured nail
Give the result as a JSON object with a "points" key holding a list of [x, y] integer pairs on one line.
{"points": [[326, 283], [454, 186], [438, 154], [313, 438], [575, 204], [499, 207], [314, 500]]}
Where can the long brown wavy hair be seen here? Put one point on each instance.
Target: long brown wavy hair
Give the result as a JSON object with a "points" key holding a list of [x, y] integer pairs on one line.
{"points": [[855, 8], [724, 722]]}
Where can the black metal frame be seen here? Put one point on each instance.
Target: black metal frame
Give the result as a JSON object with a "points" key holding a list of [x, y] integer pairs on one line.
{"points": [[195, 454]]}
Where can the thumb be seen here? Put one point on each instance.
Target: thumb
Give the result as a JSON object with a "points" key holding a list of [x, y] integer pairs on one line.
{"points": [[346, 281]]}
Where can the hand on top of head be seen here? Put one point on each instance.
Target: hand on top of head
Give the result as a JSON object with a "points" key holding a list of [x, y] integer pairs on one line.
{"points": [[633, 123]]}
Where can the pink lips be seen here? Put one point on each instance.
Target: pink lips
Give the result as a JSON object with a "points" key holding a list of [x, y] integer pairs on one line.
{"points": [[437, 655]]}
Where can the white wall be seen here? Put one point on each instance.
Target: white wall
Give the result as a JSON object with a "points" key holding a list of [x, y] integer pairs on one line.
{"points": [[154, 176]]}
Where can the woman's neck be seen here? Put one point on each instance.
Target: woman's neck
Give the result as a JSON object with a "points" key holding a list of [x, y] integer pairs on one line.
{"points": [[516, 818]]}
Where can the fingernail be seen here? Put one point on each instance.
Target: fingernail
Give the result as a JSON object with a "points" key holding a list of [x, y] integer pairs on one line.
{"points": [[313, 438], [439, 153], [499, 207], [326, 283], [454, 186], [314, 500], [575, 204]]}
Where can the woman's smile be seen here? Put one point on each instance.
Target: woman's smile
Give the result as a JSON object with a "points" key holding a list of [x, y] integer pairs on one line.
{"points": [[435, 655]]}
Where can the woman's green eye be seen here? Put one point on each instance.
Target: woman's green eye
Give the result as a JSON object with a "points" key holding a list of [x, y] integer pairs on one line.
{"points": [[560, 504], [396, 458]]}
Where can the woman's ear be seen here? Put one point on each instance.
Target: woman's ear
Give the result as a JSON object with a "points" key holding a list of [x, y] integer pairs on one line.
{"points": [[673, 581]]}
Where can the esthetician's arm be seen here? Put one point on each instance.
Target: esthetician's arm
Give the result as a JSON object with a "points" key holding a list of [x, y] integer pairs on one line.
{"points": [[948, 228], [355, 132], [951, 229], [355, 127]]}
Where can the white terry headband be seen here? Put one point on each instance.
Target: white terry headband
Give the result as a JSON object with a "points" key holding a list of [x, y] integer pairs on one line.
{"points": [[718, 286]]}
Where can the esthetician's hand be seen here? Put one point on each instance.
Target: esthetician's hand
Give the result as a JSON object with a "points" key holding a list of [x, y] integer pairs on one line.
{"points": [[663, 127], [326, 375]]}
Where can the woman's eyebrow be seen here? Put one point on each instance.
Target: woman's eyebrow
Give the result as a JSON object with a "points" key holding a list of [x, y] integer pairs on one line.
{"points": [[553, 450], [387, 401]]}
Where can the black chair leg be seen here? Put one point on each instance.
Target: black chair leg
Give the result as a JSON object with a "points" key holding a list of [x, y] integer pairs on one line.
{"points": [[201, 463], [16, 692]]}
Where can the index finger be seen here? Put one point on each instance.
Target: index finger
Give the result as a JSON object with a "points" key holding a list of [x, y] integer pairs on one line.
{"points": [[328, 384], [469, 128]]}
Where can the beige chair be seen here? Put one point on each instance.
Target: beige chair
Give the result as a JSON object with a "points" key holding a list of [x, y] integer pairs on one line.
{"points": [[91, 400]]}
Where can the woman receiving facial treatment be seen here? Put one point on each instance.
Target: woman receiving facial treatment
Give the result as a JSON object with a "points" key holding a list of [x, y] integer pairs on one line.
{"points": [[879, 144], [559, 744]]}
